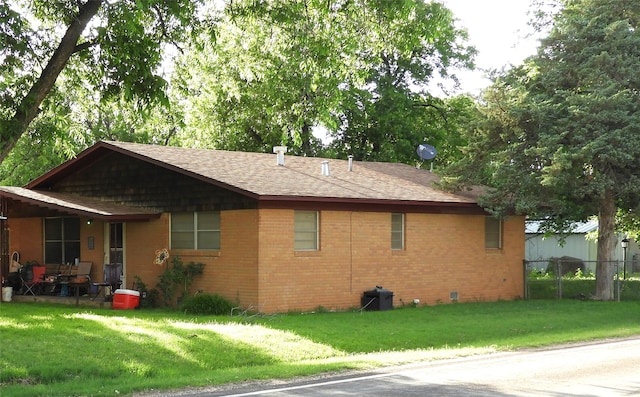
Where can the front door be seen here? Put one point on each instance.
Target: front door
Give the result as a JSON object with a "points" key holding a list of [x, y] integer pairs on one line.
{"points": [[114, 247]]}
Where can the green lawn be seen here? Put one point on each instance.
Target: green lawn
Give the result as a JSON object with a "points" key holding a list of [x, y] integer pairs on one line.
{"points": [[52, 350]]}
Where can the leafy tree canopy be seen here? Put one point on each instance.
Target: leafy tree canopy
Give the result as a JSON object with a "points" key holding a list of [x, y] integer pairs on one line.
{"points": [[113, 48], [358, 69], [560, 134]]}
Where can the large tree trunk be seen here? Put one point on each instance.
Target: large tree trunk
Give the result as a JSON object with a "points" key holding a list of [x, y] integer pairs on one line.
{"points": [[605, 267], [29, 107]]}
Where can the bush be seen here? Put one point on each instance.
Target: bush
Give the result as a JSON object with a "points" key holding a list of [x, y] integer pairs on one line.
{"points": [[206, 304], [177, 278]]}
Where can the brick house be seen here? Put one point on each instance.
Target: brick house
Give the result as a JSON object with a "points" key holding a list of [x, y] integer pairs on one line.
{"points": [[275, 232]]}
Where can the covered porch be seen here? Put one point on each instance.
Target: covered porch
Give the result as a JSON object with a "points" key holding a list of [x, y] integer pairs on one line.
{"points": [[57, 233]]}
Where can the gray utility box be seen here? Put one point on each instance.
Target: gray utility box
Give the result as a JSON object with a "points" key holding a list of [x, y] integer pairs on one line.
{"points": [[377, 299]]}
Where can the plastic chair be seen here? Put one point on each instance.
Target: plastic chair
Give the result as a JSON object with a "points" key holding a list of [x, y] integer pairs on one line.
{"points": [[32, 277]]}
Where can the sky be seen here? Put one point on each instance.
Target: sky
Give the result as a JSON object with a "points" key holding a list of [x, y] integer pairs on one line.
{"points": [[498, 30]]}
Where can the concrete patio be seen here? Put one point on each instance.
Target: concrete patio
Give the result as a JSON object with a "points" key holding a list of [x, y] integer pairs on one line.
{"points": [[64, 300]]}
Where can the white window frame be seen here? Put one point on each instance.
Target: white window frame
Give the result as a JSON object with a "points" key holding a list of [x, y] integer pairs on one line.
{"points": [[196, 230], [397, 231], [306, 230]]}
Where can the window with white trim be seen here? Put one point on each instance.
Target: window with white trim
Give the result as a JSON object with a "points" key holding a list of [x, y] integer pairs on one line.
{"points": [[195, 230], [492, 232], [306, 231], [397, 231]]}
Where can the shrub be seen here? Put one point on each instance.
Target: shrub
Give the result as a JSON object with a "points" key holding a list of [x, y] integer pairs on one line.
{"points": [[206, 304], [177, 278], [148, 297]]}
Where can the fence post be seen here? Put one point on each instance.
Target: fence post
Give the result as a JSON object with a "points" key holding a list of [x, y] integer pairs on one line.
{"points": [[618, 278], [558, 266], [525, 275]]}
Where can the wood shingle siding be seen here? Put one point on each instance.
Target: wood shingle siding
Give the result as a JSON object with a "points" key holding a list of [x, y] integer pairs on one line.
{"points": [[133, 182]]}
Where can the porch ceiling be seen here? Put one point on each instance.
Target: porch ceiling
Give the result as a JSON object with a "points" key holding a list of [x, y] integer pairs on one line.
{"points": [[24, 202]]}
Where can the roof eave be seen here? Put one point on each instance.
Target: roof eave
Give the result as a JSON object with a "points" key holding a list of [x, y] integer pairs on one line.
{"points": [[94, 214], [374, 205]]}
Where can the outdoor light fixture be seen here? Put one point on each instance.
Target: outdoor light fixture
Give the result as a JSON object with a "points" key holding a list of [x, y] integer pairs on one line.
{"points": [[89, 221], [624, 243]]}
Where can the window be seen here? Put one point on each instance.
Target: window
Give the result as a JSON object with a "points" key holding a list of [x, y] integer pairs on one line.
{"points": [[306, 231], [195, 230], [61, 240], [492, 232], [397, 231], [116, 243]]}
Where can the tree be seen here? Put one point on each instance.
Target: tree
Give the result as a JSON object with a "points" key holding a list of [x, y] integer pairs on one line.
{"points": [[560, 138], [392, 112], [120, 44], [279, 69]]}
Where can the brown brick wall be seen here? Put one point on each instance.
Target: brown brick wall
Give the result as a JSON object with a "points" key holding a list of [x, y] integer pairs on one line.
{"points": [[25, 236], [142, 239], [444, 253], [96, 255], [232, 271], [257, 266]]}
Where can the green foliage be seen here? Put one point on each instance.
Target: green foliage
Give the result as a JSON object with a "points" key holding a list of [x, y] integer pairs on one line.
{"points": [[536, 274], [559, 137], [628, 222], [112, 49], [177, 277], [580, 275], [279, 70], [148, 297], [207, 304]]}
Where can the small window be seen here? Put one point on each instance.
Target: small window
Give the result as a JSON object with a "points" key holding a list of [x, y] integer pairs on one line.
{"points": [[492, 232], [306, 231], [195, 230], [397, 231]]}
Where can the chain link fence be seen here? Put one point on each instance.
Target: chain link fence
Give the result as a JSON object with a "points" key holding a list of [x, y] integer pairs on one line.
{"points": [[571, 278]]}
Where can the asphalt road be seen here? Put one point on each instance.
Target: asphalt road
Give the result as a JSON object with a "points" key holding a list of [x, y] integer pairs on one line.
{"points": [[610, 368]]}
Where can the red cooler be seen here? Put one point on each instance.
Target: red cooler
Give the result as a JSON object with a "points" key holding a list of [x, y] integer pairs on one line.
{"points": [[125, 299]]}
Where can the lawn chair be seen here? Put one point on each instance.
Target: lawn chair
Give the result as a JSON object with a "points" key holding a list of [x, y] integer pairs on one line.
{"points": [[112, 278], [82, 278], [32, 276], [83, 275]]}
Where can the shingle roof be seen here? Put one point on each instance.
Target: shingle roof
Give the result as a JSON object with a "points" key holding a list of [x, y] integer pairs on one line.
{"points": [[258, 175], [76, 204]]}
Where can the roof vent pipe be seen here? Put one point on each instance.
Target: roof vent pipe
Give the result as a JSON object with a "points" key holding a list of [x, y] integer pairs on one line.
{"points": [[325, 168], [350, 162], [280, 151]]}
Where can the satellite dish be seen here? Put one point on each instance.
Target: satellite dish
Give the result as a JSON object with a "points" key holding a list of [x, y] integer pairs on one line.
{"points": [[426, 152]]}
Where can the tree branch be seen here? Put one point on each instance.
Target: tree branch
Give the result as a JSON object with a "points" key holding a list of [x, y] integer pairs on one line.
{"points": [[84, 46], [431, 105], [29, 107], [165, 31]]}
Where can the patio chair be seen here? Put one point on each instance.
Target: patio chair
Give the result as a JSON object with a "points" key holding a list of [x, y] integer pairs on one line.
{"points": [[112, 278], [82, 278], [83, 275], [32, 276]]}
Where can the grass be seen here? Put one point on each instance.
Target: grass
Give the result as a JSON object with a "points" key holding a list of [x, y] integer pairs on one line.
{"points": [[50, 350]]}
